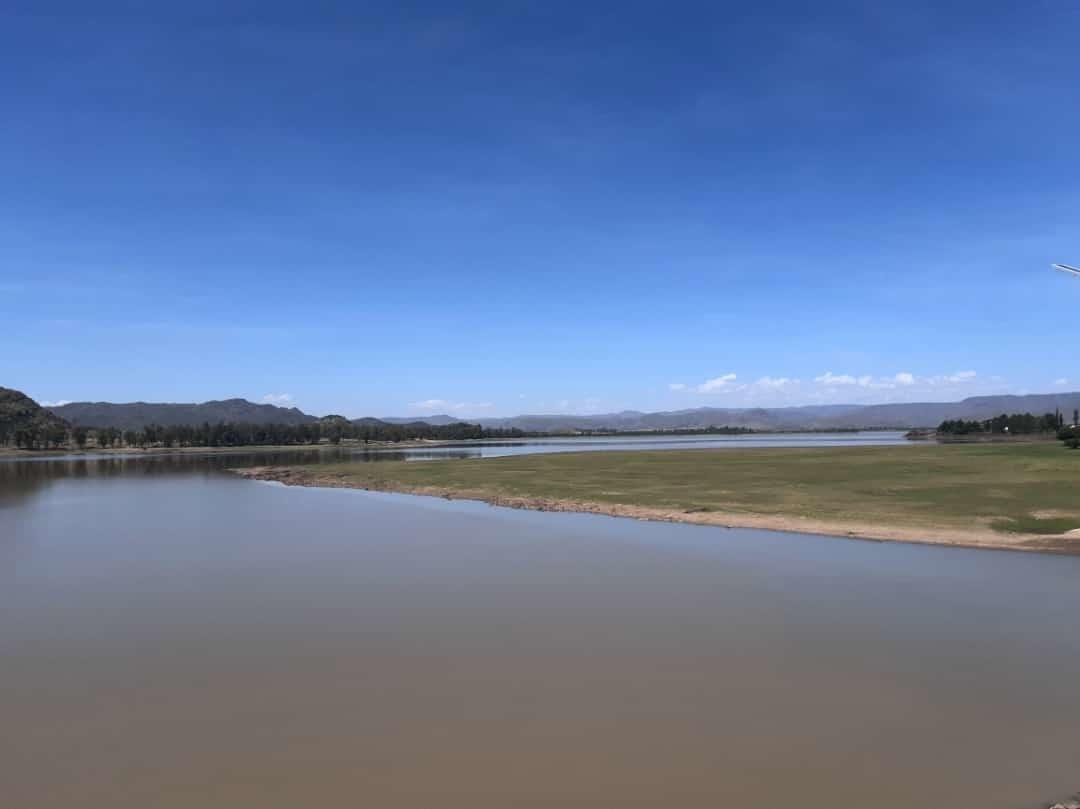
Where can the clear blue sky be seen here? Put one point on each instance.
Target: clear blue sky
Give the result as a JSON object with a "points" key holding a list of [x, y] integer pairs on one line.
{"points": [[492, 208]]}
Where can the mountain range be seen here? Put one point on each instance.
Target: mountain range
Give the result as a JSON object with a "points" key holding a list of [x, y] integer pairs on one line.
{"points": [[136, 415]]}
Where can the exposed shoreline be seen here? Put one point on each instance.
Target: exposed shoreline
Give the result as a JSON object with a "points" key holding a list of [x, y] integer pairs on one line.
{"points": [[979, 538]]}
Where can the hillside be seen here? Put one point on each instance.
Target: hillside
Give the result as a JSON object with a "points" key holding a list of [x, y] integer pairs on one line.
{"points": [[137, 415], [19, 412]]}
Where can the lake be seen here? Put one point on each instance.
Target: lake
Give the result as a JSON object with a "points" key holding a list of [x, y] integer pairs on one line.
{"points": [[488, 448], [608, 443], [174, 637]]}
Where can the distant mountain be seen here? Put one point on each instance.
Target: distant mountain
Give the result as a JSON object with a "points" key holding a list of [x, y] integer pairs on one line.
{"points": [[137, 415], [792, 418], [813, 417], [435, 421], [18, 411], [976, 408], [334, 419]]}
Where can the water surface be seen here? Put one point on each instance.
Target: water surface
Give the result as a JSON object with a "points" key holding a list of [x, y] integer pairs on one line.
{"points": [[173, 637], [492, 448]]}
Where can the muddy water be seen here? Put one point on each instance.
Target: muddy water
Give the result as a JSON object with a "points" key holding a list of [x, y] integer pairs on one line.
{"points": [[173, 637]]}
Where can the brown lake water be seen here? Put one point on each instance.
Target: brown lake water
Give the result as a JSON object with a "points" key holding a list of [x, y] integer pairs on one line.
{"points": [[172, 637]]}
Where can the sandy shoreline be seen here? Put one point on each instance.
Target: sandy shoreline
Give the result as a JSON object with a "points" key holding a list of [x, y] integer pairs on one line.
{"points": [[984, 538]]}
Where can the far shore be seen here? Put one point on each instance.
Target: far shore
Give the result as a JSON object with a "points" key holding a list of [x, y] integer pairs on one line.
{"points": [[237, 450], [724, 488]]}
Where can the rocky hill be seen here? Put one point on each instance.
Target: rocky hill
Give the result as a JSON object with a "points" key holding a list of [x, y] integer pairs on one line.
{"points": [[19, 412]]}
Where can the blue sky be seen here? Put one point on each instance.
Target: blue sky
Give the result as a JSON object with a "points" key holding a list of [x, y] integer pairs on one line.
{"points": [[493, 208]]}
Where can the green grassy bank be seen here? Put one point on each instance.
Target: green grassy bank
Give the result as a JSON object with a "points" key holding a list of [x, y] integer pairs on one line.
{"points": [[1031, 489]]}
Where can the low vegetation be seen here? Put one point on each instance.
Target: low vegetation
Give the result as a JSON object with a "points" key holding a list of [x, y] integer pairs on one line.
{"points": [[1025, 488], [1071, 437]]}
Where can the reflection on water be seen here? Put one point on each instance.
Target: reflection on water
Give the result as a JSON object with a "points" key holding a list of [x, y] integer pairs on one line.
{"points": [[174, 637], [531, 446]]}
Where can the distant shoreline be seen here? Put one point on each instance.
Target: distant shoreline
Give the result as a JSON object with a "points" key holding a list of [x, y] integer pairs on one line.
{"points": [[413, 443], [139, 452]]}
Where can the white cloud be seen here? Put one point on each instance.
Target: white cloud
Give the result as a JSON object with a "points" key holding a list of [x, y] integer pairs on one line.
{"points": [[829, 387], [831, 379], [717, 383], [1061, 382], [775, 383], [57, 403], [961, 376], [277, 398], [902, 379], [431, 405], [766, 386]]}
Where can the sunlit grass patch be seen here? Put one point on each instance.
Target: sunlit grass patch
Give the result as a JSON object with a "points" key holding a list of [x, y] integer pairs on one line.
{"points": [[1030, 524]]}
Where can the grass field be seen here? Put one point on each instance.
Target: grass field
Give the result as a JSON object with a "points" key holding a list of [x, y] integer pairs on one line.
{"points": [[1030, 489]]}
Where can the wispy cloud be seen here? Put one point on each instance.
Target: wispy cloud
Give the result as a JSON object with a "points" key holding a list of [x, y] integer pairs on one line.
{"points": [[717, 383], [831, 380], [277, 399], [901, 379], [1061, 382], [729, 383], [961, 376], [57, 403], [834, 387], [775, 383]]}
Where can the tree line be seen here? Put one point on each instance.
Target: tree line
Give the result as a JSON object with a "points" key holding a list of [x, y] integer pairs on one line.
{"points": [[234, 434], [331, 430], [1017, 424], [35, 436]]}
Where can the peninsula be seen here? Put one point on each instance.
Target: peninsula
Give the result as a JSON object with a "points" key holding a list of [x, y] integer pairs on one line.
{"points": [[1018, 496]]}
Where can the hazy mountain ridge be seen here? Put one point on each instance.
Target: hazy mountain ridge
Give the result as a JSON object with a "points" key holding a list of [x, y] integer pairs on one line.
{"points": [[435, 421], [807, 417], [137, 415], [975, 408]]}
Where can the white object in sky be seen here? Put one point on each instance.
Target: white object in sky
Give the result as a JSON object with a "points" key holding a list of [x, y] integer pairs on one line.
{"points": [[1067, 268]]}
